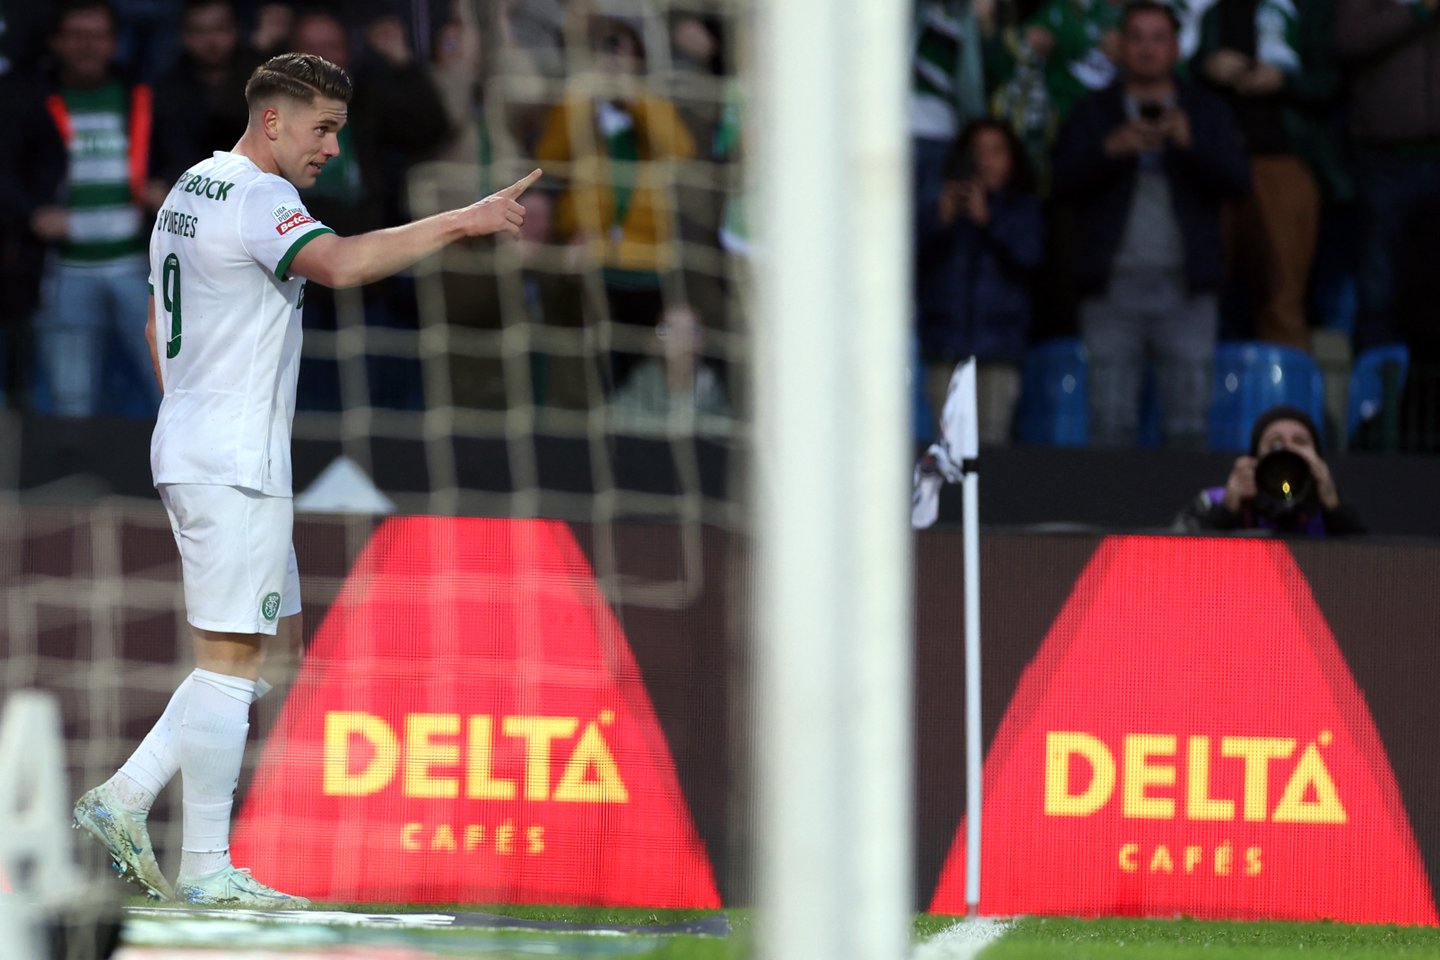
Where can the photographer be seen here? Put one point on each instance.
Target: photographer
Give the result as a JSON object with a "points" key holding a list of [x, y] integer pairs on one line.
{"points": [[1282, 485]]}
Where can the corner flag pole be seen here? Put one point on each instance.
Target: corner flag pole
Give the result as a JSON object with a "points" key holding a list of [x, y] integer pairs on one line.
{"points": [[974, 759], [955, 459], [964, 423]]}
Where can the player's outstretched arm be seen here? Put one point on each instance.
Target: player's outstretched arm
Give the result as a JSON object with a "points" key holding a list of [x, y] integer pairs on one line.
{"points": [[351, 261]]}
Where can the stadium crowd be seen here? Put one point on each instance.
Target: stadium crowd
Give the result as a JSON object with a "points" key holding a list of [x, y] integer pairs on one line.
{"points": [[1149, 180]]}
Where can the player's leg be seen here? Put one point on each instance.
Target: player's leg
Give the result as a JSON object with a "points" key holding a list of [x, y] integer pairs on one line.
{"points": [[283, 651], [116, 811], [240, 565], [213, 732], [236, 555], [202, 733]]}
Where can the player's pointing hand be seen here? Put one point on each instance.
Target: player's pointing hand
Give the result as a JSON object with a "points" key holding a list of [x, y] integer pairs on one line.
{"points": [[499, 211], [513, 191]]}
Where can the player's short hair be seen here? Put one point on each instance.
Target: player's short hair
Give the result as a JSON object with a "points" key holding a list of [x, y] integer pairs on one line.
{"points": [[299, 76], [1165, 10]]}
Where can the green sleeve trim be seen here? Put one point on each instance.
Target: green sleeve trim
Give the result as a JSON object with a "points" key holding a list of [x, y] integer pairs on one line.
{"points": [[282, 269]]}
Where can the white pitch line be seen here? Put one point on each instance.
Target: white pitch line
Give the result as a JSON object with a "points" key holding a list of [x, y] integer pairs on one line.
{"points": [[306, 917], [331, 953], [962, 941]]}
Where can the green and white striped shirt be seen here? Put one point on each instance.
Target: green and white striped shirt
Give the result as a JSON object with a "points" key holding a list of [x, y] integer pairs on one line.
{"points": [[105, 221]]}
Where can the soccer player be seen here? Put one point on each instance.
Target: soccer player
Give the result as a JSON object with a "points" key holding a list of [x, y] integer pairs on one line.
{"points": [[230, 254]]}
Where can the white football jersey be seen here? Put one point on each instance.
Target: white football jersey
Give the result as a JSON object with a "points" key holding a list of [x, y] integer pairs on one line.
{"points": [[227, 325]]}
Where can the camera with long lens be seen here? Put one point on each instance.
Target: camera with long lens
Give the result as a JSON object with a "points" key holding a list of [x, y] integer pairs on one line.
{"points": [[1284, 485]]}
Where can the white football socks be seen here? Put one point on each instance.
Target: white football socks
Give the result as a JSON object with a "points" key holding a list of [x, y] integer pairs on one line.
{"points": [[212, 744], [156, 760]]}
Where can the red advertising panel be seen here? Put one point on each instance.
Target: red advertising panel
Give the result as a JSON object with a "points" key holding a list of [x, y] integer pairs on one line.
{"points": [[1188, 739], [470, 726]]}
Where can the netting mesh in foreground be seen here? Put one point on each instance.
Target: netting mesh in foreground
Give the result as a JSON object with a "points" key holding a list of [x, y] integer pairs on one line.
{"points": [[477, 719]]}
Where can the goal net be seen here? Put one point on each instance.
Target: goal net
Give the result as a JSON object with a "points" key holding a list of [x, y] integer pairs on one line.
{"points": [[594, 572]]}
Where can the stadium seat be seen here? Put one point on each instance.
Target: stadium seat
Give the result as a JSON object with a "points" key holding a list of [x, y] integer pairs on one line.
{"points": [[1250, 378], [1053, 405], [1377, 377]]}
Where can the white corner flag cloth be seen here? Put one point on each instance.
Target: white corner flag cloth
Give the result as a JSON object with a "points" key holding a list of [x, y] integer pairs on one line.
{"points": [[959, 441]]}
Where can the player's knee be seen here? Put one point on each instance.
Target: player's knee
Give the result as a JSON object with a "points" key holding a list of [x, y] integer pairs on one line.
{"points": [[289, 633], [236, 654]]}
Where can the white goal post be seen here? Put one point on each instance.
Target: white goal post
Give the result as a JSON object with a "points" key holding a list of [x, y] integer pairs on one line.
{"points": [[832, 649], [42, 894]]}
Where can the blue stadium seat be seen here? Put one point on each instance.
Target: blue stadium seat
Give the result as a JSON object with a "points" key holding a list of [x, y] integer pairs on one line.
{"points": [[1053, 405], [1250, 378], [1368, 382]]}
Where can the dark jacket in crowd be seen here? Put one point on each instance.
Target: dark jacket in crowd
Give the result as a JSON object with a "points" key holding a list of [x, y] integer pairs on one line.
{"points": [[1303, 111], [192, 120], [33, 164], [23, 38], [1392, 53], [974, 295], [1214, 169]]}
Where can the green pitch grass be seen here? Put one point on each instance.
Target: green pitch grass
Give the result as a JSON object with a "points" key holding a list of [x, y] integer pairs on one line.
{"points": [[149, 928], [1023, 939], [1115, 939]]}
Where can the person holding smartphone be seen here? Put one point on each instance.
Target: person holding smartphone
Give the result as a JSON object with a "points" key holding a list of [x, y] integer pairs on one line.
{"points": [[985, 240], [1148, 162]]}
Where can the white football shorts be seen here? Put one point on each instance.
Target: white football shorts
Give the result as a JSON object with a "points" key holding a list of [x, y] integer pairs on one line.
{"points": [[237, 556]]}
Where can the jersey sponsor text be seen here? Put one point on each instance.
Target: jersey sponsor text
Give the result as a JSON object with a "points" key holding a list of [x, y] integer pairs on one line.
{"points": [[296, 219], [203, 186]]}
